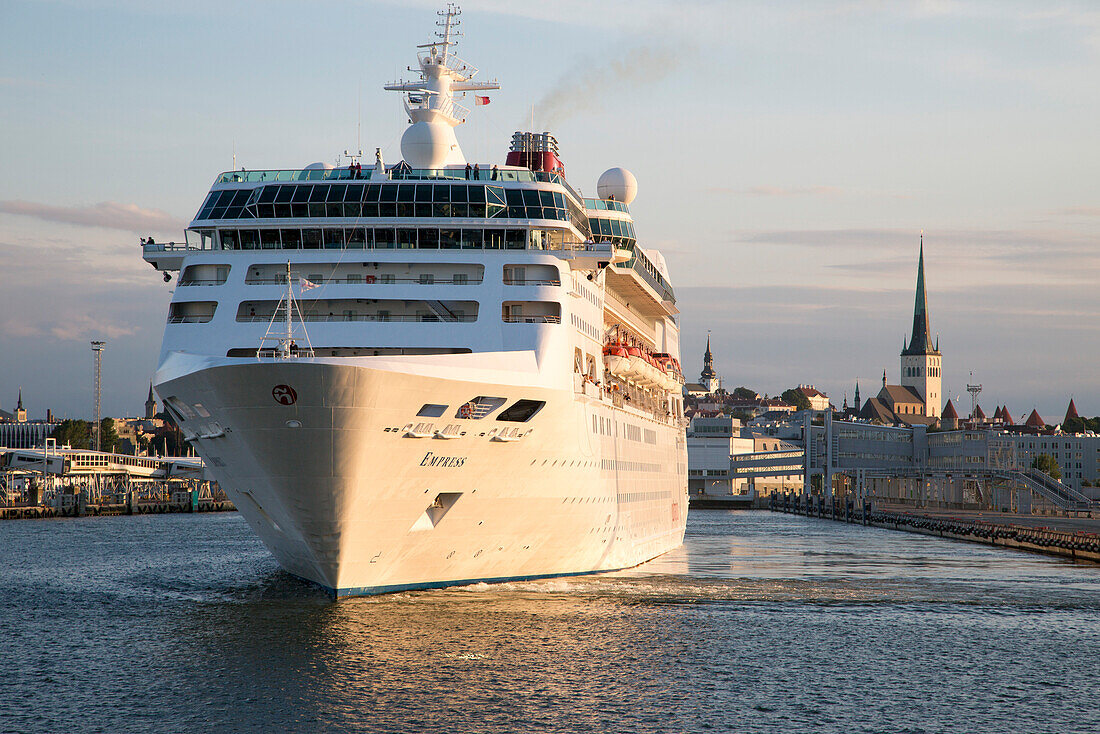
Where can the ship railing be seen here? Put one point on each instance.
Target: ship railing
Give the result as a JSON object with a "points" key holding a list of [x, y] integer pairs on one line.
{"points": [[514, 319], [203, 281], [531, 281], [169, 247], [362, 281], [450, 60], [191, 319], [458, 173], [382, 318], [606, 205], [294, 353]]}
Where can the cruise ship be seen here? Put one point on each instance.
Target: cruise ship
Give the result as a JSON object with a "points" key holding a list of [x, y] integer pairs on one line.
{"points": [[434, 372]]}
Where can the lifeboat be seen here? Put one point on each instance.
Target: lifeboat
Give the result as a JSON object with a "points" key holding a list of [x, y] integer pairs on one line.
{"points": [[616, 359], [653, 376], [668, 374], [636, 369]]}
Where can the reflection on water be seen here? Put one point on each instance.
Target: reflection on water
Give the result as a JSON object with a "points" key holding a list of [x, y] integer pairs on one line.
{"points": [[760, 622]]}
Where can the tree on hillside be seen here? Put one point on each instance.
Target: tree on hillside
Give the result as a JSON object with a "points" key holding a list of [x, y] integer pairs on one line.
{"points": [[744, 393], [108, 436], [76, 433], [796, 398], [1048, 465], [1081, 424]]}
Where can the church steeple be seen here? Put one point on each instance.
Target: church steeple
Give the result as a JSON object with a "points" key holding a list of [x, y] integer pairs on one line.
{"points": [[921, 361], [859, 405], [920, 341], [708, 377], [20, 411], [150, 404]]}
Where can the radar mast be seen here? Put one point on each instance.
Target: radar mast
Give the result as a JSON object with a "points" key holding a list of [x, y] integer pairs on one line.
{"points": [[430, 142]]}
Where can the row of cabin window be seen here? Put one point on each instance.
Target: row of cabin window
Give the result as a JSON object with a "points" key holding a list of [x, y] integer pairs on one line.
{"points": [[379, 238], [611, 228], [392, 200]]}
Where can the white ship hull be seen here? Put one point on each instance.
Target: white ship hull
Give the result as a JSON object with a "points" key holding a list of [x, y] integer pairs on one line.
{"points": [[449, 414], [344, 496]]}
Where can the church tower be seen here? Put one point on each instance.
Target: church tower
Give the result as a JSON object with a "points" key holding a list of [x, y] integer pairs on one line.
{"points": [[708, 377], [150, 404], [20, 411], [920, 360]]}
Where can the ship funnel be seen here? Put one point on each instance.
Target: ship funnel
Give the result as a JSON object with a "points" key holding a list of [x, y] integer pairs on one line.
{"points": [[536, 151]]}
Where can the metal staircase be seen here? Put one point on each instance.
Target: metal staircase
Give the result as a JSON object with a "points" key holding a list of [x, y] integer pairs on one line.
{"points": [[1062, 495]]}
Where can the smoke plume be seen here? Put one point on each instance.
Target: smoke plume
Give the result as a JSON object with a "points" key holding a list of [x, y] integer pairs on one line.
{"points": [[596, 83]]}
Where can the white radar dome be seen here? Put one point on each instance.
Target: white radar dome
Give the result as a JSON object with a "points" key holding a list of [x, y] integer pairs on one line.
{"points": [[429, 145], [618, 184], [319, 166]]}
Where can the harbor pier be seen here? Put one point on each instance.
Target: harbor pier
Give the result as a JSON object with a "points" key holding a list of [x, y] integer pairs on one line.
{"points": [[63, 482], [1076, 538]]}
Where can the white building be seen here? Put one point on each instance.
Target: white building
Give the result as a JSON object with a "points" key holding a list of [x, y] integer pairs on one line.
{"points": [[710, 443]]}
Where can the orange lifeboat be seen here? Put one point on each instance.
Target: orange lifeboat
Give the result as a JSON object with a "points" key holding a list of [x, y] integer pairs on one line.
{"points": [[616, 359], [638, 366]]}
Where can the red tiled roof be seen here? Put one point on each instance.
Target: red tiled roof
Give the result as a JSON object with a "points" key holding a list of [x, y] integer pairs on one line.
{"points": [[949, 412], [979, 414], [1006, 416], [1034, 420], [1071, 412]]}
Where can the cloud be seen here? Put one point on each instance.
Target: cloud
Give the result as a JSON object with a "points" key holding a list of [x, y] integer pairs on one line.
{"points": [[79, 326], [1079, 211], [108, 214], [791, 191], [878, 238]]}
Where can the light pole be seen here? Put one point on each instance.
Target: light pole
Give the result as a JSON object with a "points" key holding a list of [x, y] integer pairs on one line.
{"points": [[97, 350]]}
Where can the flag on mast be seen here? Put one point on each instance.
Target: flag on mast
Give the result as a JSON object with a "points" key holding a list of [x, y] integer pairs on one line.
{"points": [[478, 101], [305, 285]]}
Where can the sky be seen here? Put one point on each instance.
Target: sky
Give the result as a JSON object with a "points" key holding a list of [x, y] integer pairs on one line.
{"points": [[788, 157]]}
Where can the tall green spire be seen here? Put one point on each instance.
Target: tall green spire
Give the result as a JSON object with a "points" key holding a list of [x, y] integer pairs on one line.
{"points": [[920, 341], [708, 372]]}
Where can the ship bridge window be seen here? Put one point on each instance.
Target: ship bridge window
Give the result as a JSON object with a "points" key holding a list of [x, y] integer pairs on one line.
{"points": [[521, 411], [479, 407], [191, 312], [292, 238], [388, 238], [204, 274], [208, 205], [361, 309], [531, 312], [531, 274], [361, 351]]}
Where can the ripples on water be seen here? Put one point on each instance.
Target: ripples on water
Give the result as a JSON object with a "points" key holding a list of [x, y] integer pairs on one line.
{"points": [[761, 622]]}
